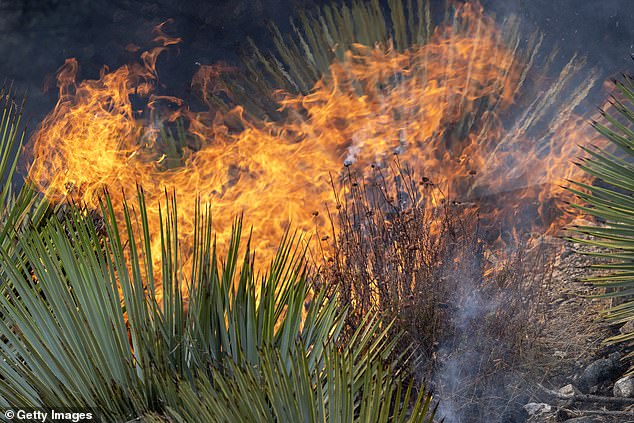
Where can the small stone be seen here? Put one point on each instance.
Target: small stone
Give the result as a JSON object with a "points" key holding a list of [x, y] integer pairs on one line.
{"points": [[624, 387], [628, 327], [536, 408], [568, 390]]}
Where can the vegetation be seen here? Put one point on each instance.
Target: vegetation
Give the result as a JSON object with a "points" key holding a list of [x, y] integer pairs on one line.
{"points": [[470, 318], [16, 210], [301, 58], [82, 328], [610, 200]]}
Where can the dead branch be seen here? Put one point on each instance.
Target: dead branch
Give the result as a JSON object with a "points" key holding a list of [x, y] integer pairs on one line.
{"points": [[600, 412], [587, 397]]}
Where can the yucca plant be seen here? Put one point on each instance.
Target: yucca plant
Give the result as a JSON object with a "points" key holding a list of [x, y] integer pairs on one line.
{"points": [[299, 393], [81, 328], [318, 39], [15, 208], [611, 200]]}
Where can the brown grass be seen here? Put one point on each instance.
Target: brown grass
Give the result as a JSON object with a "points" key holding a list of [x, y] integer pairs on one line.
{"points": [[466, 312]]}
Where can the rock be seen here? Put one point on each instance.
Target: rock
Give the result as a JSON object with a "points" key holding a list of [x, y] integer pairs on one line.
{"points": [[628, 327], [602, 370], [624, 387], [568, 390], [535, 408]]}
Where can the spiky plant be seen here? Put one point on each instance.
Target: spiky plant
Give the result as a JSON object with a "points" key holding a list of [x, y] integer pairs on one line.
{"points": [[82, 329], [80, 326], [611, 200], [319, 38], [301, 58], [16, 209]]}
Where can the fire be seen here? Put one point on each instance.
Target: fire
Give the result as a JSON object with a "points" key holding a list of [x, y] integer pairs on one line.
{"points": [[440, 106]]}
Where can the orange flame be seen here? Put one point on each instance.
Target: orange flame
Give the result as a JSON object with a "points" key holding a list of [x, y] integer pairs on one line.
{"points": [[438, 105]]}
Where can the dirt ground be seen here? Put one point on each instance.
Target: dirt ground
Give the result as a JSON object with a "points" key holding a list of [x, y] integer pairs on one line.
{"points": [[572, 328], [571, 338]]}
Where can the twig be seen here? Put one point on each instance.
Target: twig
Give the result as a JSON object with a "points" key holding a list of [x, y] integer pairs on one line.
{"points": [[587, 397], [600, 412]]}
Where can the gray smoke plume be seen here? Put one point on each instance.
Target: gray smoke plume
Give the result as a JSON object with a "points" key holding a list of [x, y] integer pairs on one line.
{"points": [[475, 377]]}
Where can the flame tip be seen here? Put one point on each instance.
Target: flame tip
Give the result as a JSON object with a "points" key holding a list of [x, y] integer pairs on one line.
{"points": [[330, 100]]}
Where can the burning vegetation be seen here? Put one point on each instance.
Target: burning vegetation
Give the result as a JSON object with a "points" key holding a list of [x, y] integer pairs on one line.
{"points": [[421, 164], [463, 104]]}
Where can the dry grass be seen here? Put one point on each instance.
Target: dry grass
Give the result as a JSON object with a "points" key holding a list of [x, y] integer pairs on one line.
{"points": [[468, 314], [573, 331]]}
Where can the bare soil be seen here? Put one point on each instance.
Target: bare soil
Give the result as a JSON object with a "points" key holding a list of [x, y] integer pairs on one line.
{"points": [[571, 338]]}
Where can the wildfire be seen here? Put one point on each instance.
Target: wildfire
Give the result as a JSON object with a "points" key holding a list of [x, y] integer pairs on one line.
{"points": [[443, 106]]}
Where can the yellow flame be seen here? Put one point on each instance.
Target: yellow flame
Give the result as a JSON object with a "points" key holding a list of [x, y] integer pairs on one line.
{"points": [[374, 102]]}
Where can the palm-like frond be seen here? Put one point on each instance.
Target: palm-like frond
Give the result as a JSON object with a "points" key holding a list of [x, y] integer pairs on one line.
{"points": [[301, 58], [299, 393], [611, 200], [15, 208], [81, 327]]}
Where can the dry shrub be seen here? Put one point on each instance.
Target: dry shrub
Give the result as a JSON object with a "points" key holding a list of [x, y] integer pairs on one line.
{"points": [[465, 310]]}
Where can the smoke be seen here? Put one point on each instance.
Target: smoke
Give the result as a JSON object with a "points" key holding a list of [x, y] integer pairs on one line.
{"points": [[460, 357], [490, 318], [460, 353], [599, 31], [38, 35]]}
